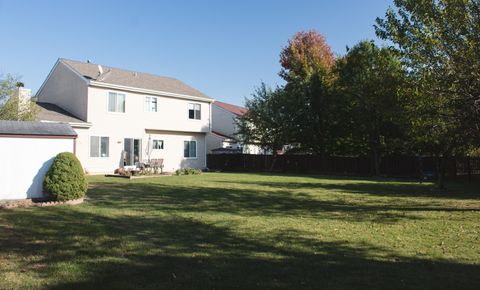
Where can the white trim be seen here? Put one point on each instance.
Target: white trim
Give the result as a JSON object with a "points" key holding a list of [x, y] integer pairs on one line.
{"points": [[150, 92], [210, 121], [99, 146], [81, 125], [188, 112], [73, 124], [155, 131]]}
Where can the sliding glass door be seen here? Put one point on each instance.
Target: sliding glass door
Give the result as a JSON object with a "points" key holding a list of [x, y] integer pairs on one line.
{"points": [[133, 151]]}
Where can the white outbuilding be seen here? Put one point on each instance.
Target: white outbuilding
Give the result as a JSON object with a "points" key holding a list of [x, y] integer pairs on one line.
{"points": [[28, 150]]}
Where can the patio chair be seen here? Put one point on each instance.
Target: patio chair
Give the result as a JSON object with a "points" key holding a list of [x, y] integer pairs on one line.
{"points": [[157, 164]]}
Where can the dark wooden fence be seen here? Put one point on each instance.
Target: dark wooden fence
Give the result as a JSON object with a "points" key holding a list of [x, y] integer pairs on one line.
{"points": [[405, 166]]}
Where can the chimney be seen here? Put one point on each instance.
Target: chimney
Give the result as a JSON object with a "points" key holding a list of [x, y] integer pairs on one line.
{"points": [[100, 70], [24, 97]]}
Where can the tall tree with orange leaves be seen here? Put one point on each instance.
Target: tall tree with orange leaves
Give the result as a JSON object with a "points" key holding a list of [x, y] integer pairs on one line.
{"points": [[307, 63], [306, 54]]}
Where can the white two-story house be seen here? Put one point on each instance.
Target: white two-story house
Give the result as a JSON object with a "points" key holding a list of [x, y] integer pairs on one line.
{"points": [[124, 117]]}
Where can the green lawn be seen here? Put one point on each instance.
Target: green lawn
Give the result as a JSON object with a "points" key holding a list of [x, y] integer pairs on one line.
{"points": [[246, 231]]}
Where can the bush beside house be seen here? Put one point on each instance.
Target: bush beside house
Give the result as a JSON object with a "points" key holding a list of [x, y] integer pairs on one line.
{"points": [[65, 180], [188, 171]]}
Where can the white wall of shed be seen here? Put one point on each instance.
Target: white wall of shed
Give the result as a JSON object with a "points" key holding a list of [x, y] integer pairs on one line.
{"points": [[25, 163]]}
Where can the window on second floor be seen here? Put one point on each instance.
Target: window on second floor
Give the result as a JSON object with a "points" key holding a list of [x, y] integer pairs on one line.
{"points": [[116, 102], [150, 104], [194, 111]]}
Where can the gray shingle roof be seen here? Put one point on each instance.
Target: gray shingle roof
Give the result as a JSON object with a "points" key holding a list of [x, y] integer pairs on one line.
{"points": [[52, 112], [35, 128], [116, 76]]}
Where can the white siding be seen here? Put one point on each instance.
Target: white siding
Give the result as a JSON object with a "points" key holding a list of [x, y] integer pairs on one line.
{"points": [[223, 121], [170, 123], [172, 114], [65, 89], [25, 162]]}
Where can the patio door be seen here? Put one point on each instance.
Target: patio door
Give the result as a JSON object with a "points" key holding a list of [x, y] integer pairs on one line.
{"points": [[133, 150]]}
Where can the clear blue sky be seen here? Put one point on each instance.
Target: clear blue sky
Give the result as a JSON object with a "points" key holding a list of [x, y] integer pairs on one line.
{"points": [[223, 48]]}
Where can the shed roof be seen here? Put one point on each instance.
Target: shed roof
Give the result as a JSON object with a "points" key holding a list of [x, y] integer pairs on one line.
{"points": [[36, 129]]}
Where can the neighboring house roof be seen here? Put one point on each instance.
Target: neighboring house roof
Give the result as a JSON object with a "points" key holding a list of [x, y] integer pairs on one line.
{"points": [[237, 110], [36, 129], [122, 77], [223, 136], [53, 113]]}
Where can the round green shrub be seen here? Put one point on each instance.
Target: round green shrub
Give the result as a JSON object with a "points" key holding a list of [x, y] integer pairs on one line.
{"points": [[65, 180]]}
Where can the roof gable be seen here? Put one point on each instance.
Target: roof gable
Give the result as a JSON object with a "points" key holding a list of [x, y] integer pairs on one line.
{"points": [[122, 77]]}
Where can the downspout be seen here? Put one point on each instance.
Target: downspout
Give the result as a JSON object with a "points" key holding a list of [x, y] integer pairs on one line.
{"points": [[209, 131], [75, 146]]}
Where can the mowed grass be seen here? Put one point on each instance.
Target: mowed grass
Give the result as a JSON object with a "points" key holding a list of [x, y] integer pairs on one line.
{"points": [[248, 231]]}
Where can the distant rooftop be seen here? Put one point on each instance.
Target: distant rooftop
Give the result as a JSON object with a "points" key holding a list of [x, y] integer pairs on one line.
{"points": [[222, 135], [35, 128], [122, 77], [237, 110]]}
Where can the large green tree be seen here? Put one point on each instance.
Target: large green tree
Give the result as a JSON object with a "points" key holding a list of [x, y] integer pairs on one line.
{"points": [[265, 122], [369, 80], [439, 42]]}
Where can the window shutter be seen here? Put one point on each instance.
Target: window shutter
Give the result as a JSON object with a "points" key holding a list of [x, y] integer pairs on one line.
{"points": [[186, 149], [94, 146]]}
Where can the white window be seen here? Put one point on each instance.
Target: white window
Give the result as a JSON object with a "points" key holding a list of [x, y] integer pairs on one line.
{"points": [[157, 144], [150, 104], [190, 149], [194, 111], [116, 102], [99, 146]]}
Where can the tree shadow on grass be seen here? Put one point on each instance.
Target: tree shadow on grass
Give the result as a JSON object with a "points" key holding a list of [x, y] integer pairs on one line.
{"points": [[165, 252], [277, 202], [455, 189], [172, 199]]}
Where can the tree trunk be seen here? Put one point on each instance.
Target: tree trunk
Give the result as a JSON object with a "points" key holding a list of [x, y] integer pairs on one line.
{"points": [[440, 172], [376, 159], [273, 160]]}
